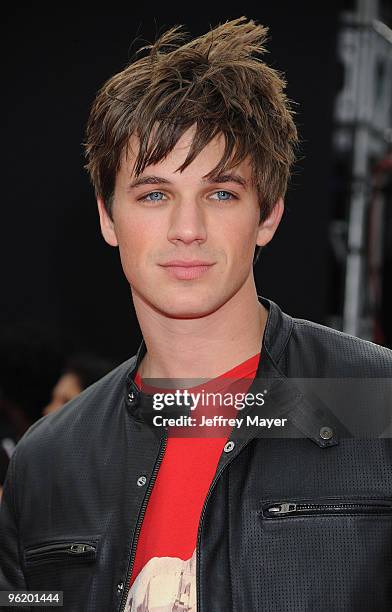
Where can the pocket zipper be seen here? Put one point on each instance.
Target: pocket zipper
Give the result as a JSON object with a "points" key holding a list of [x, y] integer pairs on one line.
{"points": [[81, 550], [282, 509]]}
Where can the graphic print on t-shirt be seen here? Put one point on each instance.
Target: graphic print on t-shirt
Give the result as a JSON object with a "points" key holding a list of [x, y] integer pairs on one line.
{"points": [[165, 584], [164, 572]]}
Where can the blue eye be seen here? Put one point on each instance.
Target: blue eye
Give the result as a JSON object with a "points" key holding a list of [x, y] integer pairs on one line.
{"points": [[156, 196], [223, 195]]}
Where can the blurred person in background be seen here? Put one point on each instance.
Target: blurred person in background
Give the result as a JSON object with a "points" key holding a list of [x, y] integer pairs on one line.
{"points": [[80, 371], [30, 361]]}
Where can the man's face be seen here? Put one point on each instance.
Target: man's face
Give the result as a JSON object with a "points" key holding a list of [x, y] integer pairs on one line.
{"points": [[186, 243]]}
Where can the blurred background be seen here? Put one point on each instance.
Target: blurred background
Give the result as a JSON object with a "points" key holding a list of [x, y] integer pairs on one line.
{"points": [[65, 304]]}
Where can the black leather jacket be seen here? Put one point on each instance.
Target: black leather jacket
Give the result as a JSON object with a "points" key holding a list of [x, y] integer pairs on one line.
{"points": [[74, 479]]}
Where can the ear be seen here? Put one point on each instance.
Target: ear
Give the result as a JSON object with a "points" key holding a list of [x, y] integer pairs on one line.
{"points": [[107, 225], [268, 227]]}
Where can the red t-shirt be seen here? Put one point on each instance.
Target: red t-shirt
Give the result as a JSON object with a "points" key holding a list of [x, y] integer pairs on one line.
{"points": [[164, 570]]}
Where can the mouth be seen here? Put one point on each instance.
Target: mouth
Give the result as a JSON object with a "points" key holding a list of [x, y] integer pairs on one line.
{"points": [[187, 270]]}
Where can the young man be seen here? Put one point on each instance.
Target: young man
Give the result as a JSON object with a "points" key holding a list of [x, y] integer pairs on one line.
{"points": [[189, 149]]}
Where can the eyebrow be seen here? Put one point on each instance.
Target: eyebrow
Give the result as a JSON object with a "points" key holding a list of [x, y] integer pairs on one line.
{"points": [[160, 180]]}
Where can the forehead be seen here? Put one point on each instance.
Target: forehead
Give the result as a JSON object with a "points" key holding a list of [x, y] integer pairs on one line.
{"points": [[208, 158]]}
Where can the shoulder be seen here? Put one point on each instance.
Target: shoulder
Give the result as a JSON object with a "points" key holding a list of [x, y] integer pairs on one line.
{"points": [[330, 352]]}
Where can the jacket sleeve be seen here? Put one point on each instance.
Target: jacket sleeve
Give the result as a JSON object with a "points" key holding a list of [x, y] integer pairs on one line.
{"points": [[11, 572]]}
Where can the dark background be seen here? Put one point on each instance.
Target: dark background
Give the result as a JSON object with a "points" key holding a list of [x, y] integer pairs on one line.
{"points": [[62, 286]]}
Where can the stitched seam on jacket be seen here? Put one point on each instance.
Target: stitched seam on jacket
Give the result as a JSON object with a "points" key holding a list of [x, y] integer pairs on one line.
{"points": [[282, 350]]}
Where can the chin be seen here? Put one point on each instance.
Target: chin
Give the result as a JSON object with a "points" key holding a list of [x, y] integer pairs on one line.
{"points": [[186, 312], [187, 307]]}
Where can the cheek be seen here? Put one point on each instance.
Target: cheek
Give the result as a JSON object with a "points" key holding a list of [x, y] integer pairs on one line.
{"points": [[239, 239], [130, 232], [130, 250], [137, 240]]}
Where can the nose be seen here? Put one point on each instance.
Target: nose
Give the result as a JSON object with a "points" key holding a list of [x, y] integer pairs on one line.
{"points": [[187, 223]]}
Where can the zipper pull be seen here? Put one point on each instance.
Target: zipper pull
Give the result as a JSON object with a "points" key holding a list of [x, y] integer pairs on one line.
{"points": [[282, 508], [78, 549]]}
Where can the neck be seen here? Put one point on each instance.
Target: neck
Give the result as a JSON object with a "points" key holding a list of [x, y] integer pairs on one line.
{"points": [[204, 347]]}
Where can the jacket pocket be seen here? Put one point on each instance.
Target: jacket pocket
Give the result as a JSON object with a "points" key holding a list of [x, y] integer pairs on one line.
{"points": [[322, 553], [78, 550], [65, 564], [325, 507]]}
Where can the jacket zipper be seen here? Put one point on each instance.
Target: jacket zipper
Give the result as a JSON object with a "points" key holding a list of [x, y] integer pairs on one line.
{"points": [[140, 519], [210, 490], [282, 509], [78, 549]]}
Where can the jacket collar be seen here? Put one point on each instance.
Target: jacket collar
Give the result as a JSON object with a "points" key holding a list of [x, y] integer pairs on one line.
{"points": [[309, 416]]}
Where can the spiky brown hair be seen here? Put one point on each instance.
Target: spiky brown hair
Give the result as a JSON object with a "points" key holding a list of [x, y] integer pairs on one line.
{"points": [[217, 82]]}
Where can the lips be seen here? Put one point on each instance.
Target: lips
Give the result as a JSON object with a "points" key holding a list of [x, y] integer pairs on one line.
{"points": [[187, 269], [191, 263]]}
